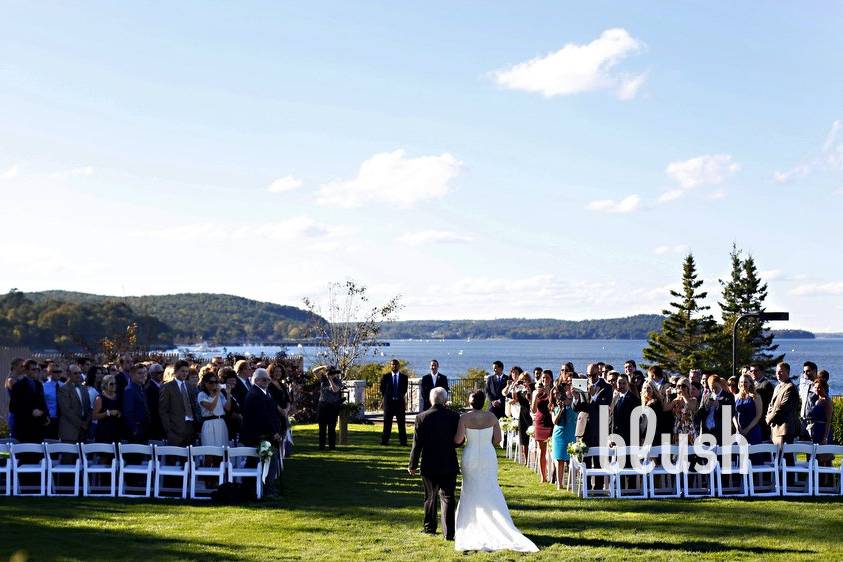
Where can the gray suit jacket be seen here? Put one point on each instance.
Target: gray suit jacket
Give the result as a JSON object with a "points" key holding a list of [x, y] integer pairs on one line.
{"points": [[73, 413], [171, 409], [783, 414]]}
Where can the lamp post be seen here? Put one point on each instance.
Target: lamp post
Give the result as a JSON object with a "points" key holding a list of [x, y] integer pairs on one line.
{"points": [[763, 317]]}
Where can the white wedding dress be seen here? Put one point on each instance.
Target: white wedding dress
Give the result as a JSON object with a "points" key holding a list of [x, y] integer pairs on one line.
{"points": [[483, 520]]}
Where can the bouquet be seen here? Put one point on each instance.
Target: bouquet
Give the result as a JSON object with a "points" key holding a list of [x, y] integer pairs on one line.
{"points": [[577, 449]]}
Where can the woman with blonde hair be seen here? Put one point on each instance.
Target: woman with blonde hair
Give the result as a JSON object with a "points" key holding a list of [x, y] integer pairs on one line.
{"points": [[107, 412], [684, 407]]}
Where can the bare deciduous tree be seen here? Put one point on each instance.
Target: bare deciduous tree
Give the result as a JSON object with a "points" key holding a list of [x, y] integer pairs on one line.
{"points": [[351, 324]]}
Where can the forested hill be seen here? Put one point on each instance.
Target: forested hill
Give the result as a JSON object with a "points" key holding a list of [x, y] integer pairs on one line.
{"points": [[632, 327], [223, 319]]}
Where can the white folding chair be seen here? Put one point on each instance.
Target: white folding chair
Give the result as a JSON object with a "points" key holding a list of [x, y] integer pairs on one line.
{"points": [[6, 468], [597, 471], [573, 479], [99, 459], [800, 467], [20, 468], [697, 484], [135, 459], [629, 474], [217, 469], [171, 462], [237, 469], [765, 465], [62, 458], [830, 472], [736, 484], [660, 482]]}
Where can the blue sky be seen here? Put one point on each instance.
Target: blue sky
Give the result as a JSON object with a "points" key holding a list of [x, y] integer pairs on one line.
{"points": [[482, 159]]}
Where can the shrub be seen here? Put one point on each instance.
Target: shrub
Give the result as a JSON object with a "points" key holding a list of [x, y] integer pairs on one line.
{"points": [[837, 419]]}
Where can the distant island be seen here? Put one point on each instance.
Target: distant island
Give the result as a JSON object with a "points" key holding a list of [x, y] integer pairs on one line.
{"points": [[628, 328], [68, 320]]}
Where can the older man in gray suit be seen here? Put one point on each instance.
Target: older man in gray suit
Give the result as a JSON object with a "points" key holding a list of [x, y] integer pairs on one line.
{"points": [[177, 409], [74, 407]]}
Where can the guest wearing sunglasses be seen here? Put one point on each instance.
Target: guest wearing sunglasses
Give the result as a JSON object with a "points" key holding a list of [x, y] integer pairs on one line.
{"points": [[107, 412], [214, 406]]}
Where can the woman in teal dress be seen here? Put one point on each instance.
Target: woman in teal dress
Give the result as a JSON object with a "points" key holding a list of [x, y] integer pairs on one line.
{"points": [[564, 426]]}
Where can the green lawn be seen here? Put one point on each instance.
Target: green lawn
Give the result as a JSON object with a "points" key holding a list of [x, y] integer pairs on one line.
{"points": [[358, 503]]}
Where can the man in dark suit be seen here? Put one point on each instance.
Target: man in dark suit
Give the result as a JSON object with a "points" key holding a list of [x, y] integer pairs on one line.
{"points": [[152, 391], [764, 389], [433, 379], [495, 384], [28, 405], [244, 385], [433, 443], [262, 422], [623, 403], [394, 390], [135, 410], [599, 393], [713, 404], [123, 377], [74, 408], [176, 408]]}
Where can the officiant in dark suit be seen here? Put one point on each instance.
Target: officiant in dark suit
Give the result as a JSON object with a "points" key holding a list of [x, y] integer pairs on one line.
{"points": [[433, 444], [394, 391], [433, 379], [495, 384]]}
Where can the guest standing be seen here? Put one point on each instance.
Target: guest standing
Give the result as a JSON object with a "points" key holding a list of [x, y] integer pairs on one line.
{"points": [[564, 426], [783, 413], [135, 410], [820, 414], [107, 412], [542, 422], [394, 390], [176, 407], [433, 379], [748, 411], [330, 400], [684, 407], [74, 408], [213, 406], [495, 384], [28, 405], [521, 393]]}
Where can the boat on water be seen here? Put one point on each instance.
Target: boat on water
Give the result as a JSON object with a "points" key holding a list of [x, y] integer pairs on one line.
{"points": [[201, 347]]}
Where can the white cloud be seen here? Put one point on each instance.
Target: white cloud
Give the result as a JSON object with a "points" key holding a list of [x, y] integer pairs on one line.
{"points": [[667, 249], [293, 229], [576, 68], [830, 157], [709, 169], [626, 205], [771, 274], [819, 289], [287, 183], [671, 195], [426, 237], [83, 171], [392, 178], [10, 172]]}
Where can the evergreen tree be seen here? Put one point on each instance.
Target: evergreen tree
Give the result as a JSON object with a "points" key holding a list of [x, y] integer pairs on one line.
{"points": [[745, 293], [687, 331]]}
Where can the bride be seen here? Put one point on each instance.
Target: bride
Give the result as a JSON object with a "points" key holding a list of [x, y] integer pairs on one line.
{"points": [[483, 520]]}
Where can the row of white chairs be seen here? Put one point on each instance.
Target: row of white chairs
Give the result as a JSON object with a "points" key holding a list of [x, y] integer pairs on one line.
{"points": [[93, 463], [768, 476]]}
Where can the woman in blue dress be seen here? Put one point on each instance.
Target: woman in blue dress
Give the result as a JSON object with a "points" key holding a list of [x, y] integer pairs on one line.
{"points": [[748, 411], [564, 425]]}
